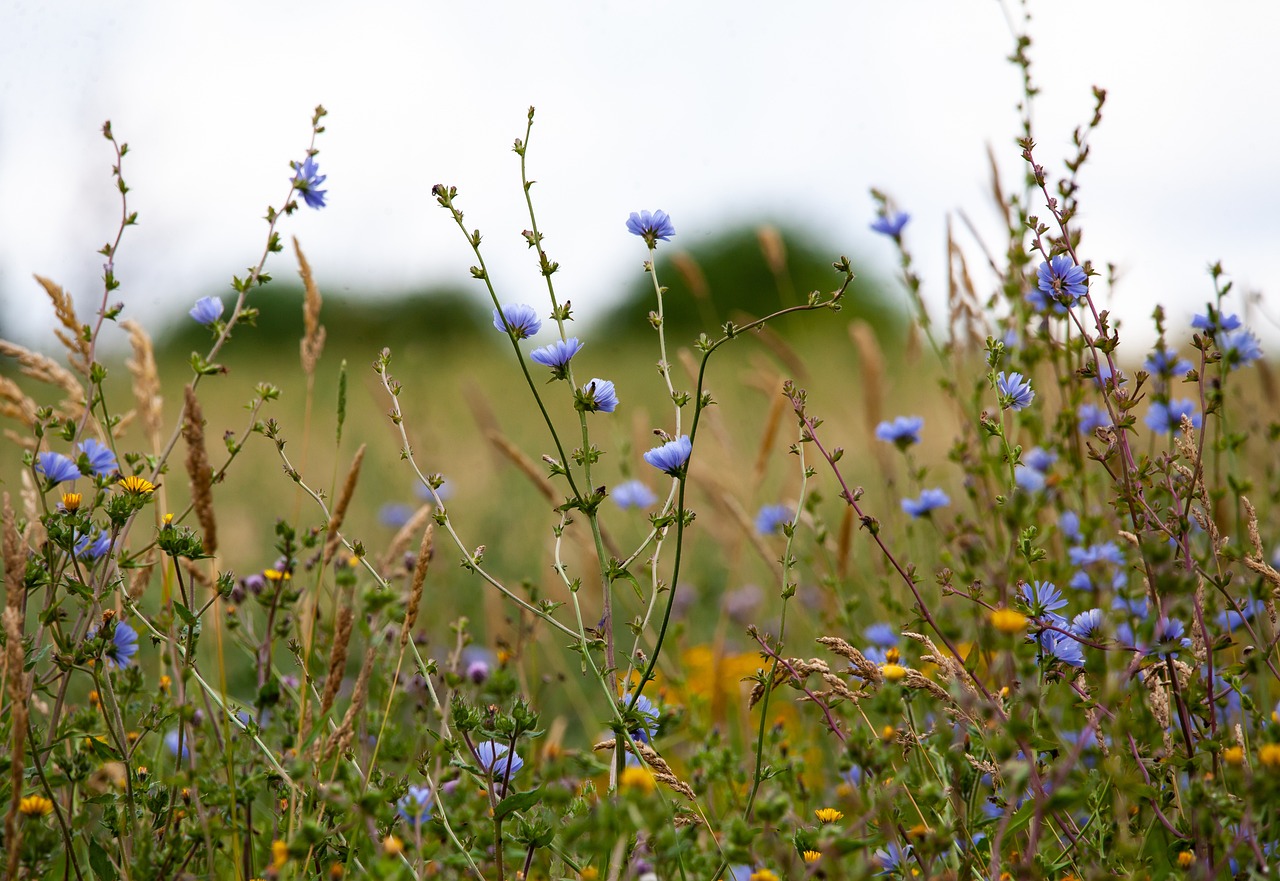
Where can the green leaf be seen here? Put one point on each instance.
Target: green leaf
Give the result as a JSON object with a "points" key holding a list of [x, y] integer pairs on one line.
{"points": [[185, 614], [517, 802], [100, 862]]}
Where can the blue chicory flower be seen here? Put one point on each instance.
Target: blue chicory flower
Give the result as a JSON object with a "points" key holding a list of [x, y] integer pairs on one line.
{"points": [[493, 759], [416, 805], [517, 319], [890, 223], [902, 431], [102, 462], [672, 456], [307, 180], [1015, 391], [889, 858], [1136, 607], [90, 547], [1061, 284], [1166, 365], [1061, 647], [1168, 417], [207, 310], [599, 395], [1092, 418], [172, 740], [1230, 619], [649, 713], [1039, 459], [56, 467], [1043, 598], [1214, 321], [1103, 552], [124, 645], [930, 499], [881, 634], [772, 518], [1028, 479], [633, 494], [1087, 624], [651, 227], [1239, 347], [1069, 523], [557, 355], [395, 514]]}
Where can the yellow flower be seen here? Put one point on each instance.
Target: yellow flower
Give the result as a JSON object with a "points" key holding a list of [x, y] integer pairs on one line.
{"points": [[829, 815], [892, 656], [71, 501], [893, 672], [279, 854], [1233, 755], [142, 772], [636, 778], [35, 806], [1008, 621], [1185, 859], [1269, 755], [590, 873], [138, 485], [164, 683], [888, 733], [763, 875], [94, 699], [812, 856], [392, 846], [276, 575], [336, 870], [168, 520]]}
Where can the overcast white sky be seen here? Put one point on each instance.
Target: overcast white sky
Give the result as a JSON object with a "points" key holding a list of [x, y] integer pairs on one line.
{"points": [[718, 113]]}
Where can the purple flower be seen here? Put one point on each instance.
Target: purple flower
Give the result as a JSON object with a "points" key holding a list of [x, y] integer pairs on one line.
{"points": [[672, 456], [1043, 598], [124, 645], [929, 500], [102, 462], [1087, 624], [651, 227], [1015, 391], [307, 180], [1061, 647], [478, 662], [902, 431], [493, 759], [1239, 347], [772, 518], [599, 395], [1168, 417], [1061, 283], [557, 355], [172, 739], [890, 223], [415, 806], [633, 494], [56, 467], [518, 320], [207, 310], [1171, 630]]}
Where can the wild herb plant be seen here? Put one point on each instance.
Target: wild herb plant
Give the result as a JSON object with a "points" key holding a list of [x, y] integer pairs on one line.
{"points": [[1050, 655]]}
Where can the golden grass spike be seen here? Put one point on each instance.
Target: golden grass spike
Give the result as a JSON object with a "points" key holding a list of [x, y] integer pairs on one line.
{"points": [[34, 534], [400, 541], [44, 369], [691, 272], [339, 512], [419, 579], [780, 348], [844, 543], [146, 381], [871, 365], [72, 335], [997, 192], [771, 423], [773, 248], [337, 659], [313, 333], [15, 564], [14, 404], [340, 740], [198, 470]]}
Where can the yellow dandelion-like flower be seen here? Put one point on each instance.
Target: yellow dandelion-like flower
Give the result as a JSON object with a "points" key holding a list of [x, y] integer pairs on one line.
{"points": [[336, 870], [134, 736], [167, 520], [71, 501], [1233, 755], [165, 682], [893, 672], [636, 777], [35, 806], [812, 856], [590, 873], [1185, 859], [95, 699], [1269, 755], [137, 485], [763, 875], [829, 815], [353, 561], [888, 732], [279, 854], [276, 575], [892, 656], [1008, 621], [392, 846], [142, 773]]}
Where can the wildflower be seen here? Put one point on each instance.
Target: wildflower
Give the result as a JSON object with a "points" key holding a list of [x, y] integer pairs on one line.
{"points": [[415, 806], [1028, 479], [890, 223], [1239, 347], [672, 456], [599, 395], [1008, 621], [557, 355], [891, 858], [1171, 630], [56, 467], [279, 854], [1168, 417], [124, 645], [1087, 624], [649, 713], [651, 227], [1166, 365], [174, 740], [893, 672], [930, 499], [395, 514], [1233, 755], [1069, 523], [137, 485], [1043, 598], [478, 662], [517, 319], [633, 494], [90, 547], [763, 875], [165, 682], [1015, 391], [636, 777], [812, 856], [772, 519], [1231, 619], [590, 873], [829, 815], [1092, 418], [392, 846], [1214, 321], [307, 180], [494, 760], [1185, 859], [902, 431], [1107, 551], [71, 502], [1061, 647], [277, 575], [881, 635], [1039, 459], [102, 462], [207, 310], [35, 806], [1061, 283], [1269, 756]]}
